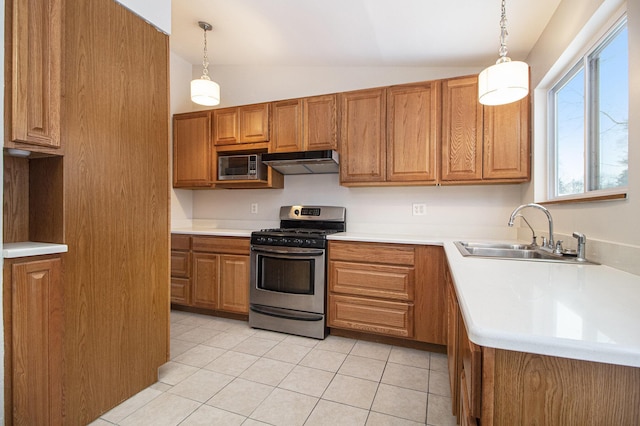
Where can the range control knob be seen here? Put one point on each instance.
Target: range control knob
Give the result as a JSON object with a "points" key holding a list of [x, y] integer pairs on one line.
{"points": [[298, 242]]}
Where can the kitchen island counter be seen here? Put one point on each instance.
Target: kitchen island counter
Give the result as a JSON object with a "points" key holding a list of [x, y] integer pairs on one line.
{"points": [[584, 312]]}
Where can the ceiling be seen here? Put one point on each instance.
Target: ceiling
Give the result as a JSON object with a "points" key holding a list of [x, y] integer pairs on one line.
{"points": [[343, 33]]}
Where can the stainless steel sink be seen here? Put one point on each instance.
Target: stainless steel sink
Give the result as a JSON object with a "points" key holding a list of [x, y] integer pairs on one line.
{"points": [[514, 252]]}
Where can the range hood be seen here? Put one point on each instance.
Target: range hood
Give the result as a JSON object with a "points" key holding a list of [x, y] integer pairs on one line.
{"points": [[303, 162]]}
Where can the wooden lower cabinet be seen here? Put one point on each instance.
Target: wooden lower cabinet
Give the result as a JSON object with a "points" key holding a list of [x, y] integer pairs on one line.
{"points": [[33, 317], [501, 387], [218, 276], [395, 290]]}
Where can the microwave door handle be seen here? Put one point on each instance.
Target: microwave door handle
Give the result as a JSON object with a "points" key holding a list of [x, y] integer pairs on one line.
{"points": [[288, 253]]}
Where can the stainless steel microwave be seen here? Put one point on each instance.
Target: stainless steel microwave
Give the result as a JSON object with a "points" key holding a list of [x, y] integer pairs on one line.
{"points": [[241, 167]]}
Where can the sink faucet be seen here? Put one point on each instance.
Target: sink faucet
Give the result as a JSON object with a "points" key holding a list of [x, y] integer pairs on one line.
{"points": [[539, 207]]}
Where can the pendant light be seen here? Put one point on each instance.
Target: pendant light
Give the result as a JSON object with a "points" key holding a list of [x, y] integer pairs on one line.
{"points": [[507, 81], [203, 90]]}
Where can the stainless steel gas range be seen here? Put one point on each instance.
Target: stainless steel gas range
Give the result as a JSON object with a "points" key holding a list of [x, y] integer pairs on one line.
{"points": [[288, 271]]}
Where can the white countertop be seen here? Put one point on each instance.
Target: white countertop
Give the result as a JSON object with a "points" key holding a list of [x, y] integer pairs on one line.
{"points": [[207, 230], [586, 312], [30, 248]]}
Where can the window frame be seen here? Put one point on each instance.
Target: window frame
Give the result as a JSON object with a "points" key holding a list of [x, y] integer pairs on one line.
{"points": [[590, 143]]}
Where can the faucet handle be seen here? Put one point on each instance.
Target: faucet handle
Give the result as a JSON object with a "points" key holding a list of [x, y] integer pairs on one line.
{"points": [[558, 249]]}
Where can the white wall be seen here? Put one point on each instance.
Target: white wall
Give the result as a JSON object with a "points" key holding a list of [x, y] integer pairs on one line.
{"points": [[156, 12], [614, 221], [180, 76]]}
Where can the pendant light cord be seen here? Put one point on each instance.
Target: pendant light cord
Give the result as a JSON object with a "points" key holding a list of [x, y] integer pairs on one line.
{"points": [[503, 35], [205, 59]]}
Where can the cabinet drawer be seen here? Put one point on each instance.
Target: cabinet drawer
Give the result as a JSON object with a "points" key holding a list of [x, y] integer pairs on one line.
{"points": [[180, 242], [227, 245], [383, 281], [180, 264], [373, 316], [393, 254], [181, 291]]}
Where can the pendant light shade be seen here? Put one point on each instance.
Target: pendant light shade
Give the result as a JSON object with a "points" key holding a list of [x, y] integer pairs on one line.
{"points": [[507, 81], [503, 83], [204, 91]]}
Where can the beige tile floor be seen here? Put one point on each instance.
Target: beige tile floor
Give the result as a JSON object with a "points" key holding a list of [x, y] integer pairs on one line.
{"points": [[222, 372]]}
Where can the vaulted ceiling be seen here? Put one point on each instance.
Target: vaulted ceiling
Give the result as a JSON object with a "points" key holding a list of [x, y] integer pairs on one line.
{"points": [[426, 33]]}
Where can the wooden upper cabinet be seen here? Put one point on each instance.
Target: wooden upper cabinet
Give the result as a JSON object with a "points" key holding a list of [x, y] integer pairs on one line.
{"points": [[33, 56], [483, 143], [226, 126], [286, 126], [192, 150], [412, 124], [363, 136], [306, 124], [506, 141], [244, 124], [254, 123], [461, 130], [320, 122]]}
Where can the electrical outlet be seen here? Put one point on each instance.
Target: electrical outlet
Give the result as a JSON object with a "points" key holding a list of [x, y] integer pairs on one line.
{"points": [[254, 208], [419, 209]]}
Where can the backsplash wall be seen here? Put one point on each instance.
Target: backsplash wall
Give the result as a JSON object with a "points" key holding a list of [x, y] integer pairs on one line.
{"points": [[466, 211]]}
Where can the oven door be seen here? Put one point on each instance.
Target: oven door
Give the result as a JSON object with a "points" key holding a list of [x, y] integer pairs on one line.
{"points": [[288, 278]]}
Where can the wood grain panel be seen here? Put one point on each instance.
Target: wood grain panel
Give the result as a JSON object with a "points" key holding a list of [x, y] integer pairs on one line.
{"points": [[192, 165], [320, 122], [286, 128], [234, 284], [205, 280], [461, 130], [561, 391], [33, 92], [180, 242], [181, 291], [37, 342], [363, 136], [430, 296], [382, 281], [46, 199], [453, 358], [180, 263], [506, 141], [370, 315], [413, 124], [254, 122], [116, 133], [226, 126], [15, 217], [390, 254], [227, 245], [471, 355]]}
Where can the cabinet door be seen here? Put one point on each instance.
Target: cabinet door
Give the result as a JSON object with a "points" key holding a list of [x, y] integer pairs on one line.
{"points": [[412, 125], [234, 284], [320, 122], [226, 126], [452, 344], [192, 150], [35, 71], [286, 130], [506, 141], [205, 280], [461, 130], [37, 345], [362, 136], [254, 123]]}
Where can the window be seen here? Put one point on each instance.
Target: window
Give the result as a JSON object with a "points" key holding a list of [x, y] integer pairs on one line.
{"points": [[589, 121]]}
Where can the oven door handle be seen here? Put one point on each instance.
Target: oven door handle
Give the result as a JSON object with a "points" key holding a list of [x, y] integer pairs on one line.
{"points": [[306, 252]]}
